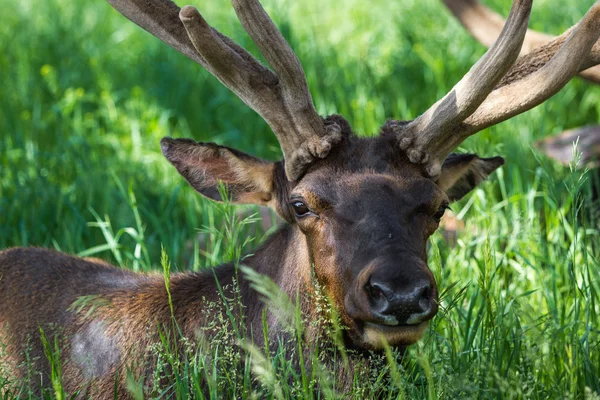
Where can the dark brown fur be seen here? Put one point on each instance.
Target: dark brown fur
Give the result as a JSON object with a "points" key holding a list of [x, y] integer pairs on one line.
{"points": [[372, 216]]}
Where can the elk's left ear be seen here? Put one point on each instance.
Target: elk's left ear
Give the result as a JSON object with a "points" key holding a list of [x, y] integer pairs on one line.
{"points": [[462, 172]]}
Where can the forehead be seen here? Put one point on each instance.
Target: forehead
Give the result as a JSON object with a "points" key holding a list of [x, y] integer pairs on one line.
{"points": [[367, 167]]}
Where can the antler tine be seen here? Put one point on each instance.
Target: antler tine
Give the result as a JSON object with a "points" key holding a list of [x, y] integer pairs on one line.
{"points": [[276, 50], [161, 19], [534, 88], [282, 100], [539, 56], [485, 26], [237, 70], [316, 139], [423, 137]]}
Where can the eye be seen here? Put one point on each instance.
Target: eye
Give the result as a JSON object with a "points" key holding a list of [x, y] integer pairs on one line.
{"points": [[300, 208], [440, 212]]}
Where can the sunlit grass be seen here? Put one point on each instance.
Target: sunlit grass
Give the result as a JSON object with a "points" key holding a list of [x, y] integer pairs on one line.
{"points": [[86, 97]]}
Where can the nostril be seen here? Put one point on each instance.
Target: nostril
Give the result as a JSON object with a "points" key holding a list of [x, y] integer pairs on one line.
{"points": [[423, 296], [374, 291], [426, 292]]}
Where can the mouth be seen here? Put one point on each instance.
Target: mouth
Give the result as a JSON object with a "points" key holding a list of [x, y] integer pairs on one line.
{"points": [[377, 335]]}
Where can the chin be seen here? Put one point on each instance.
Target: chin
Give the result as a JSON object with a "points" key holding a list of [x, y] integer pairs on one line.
{"points": [[375, 336]]}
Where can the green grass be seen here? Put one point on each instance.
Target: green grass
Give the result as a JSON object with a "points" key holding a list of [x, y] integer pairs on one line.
{"points": [[86, 96]]}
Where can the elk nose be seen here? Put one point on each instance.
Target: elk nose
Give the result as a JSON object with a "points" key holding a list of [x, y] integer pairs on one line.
{"points": [[411, 304]]}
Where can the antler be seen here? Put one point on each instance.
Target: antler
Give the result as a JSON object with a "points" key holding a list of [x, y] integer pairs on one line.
{"points": [[483, 98], [282, 98], [485, 26]]}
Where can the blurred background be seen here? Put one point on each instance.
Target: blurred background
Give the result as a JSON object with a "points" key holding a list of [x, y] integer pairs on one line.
{"points": [[85, 97]]}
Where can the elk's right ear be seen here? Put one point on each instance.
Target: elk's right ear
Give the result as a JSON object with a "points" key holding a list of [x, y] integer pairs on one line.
{"points": [[249, 180]]}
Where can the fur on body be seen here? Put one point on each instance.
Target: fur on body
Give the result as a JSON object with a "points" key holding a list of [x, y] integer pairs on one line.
{"points": [[372, 218]]}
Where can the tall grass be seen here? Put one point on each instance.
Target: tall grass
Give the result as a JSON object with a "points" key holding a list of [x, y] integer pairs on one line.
{"points": [[86, 97]]}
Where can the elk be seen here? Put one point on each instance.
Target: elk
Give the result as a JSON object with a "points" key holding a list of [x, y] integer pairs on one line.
{"points": [[358, 211]]}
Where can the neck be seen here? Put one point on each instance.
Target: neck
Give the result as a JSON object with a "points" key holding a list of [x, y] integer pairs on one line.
{"points": [[284, 258]]}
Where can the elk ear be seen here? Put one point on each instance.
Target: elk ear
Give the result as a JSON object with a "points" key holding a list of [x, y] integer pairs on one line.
{"points": [[462, 172], [249, 180]]}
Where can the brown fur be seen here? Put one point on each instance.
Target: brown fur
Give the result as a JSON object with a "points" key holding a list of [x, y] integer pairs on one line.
{"points": [[371, 216]]}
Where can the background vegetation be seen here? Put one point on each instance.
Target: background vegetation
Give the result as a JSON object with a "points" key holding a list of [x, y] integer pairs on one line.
{"points": [[86, 96]]}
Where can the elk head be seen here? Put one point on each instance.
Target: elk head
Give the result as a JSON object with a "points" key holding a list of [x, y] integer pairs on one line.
{"points": [[364, 208]]}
